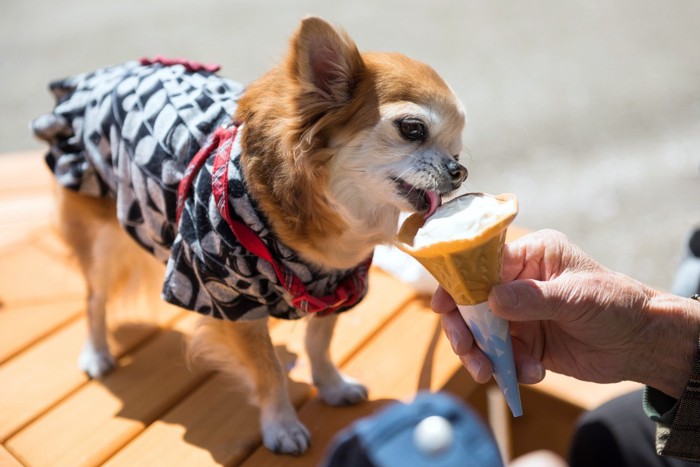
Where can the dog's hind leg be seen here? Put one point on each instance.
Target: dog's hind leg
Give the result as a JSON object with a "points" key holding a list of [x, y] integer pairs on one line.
{"points": [[95, 359], [244, 349], [90, 227], [333, 387]]}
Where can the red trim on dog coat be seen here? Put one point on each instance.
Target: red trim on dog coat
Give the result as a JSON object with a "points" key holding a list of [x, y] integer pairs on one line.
{"points": [[348, 292]]}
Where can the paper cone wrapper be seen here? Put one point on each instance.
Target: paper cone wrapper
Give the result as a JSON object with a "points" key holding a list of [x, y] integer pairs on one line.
{"points": [[492, 335], [467, 268]]}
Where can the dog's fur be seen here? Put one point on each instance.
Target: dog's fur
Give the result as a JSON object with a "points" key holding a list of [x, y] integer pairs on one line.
{"points": [[323, 148]]}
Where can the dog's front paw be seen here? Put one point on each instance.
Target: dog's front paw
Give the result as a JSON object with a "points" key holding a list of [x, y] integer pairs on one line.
{"points": [[346, 391], [286, 437], [95, 363]]}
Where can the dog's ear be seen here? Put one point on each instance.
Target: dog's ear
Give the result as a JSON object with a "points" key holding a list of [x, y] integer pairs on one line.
{"points": [[325, 61]]}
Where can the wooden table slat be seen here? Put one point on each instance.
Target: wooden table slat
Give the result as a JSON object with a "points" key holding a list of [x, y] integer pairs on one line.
{"points": [[32, 277], [22, 326], [7, 459], [38, 378], [581, 393], [105, 414], [24, 173]]}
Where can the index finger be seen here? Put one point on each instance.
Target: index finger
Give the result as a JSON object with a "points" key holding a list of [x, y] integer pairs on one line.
{"points": [[522, 258], [442, 302]]}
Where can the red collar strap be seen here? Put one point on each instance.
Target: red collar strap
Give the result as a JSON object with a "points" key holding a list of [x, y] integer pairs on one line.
{"points": [[349, 291], [188, 64]]}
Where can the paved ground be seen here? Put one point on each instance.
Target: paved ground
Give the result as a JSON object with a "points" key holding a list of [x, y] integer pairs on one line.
{"points": [[589, 112]]}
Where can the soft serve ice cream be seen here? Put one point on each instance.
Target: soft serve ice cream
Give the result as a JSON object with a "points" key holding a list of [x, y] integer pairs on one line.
{"points": [[465, 217]]}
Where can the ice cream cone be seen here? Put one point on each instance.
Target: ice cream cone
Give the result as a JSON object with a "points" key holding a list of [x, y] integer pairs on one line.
{"points": [[465, 258], [467, 267]]}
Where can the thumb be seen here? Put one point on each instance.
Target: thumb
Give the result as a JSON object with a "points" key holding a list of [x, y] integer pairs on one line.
{"points": [[524, 300]]}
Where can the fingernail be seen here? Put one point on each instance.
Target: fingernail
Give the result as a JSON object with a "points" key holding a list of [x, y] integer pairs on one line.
{"points": [[532, 372], [505, 296], [474, 367]]}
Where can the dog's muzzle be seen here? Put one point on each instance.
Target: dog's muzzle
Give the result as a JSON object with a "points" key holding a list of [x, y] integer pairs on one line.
{"points": [[457, 172]]}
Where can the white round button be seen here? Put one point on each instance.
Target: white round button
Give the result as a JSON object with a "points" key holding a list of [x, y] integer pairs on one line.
{"points": [[433, 435]]}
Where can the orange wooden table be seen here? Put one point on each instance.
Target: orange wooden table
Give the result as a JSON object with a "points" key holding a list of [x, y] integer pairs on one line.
{"points": [[154, 410]]}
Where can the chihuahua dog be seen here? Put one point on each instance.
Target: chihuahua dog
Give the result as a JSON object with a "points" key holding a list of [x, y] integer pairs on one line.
{"points": [[263, 201]]}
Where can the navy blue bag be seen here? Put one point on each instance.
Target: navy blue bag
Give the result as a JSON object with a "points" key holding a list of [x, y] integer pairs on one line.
{"points": [[435, 430]]}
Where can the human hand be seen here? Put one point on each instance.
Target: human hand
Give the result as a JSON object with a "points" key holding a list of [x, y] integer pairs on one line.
{"points": [[571, 315]]}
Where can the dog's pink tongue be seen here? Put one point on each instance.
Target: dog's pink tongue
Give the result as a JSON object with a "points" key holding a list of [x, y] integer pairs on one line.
{"points": [[434, 202]]}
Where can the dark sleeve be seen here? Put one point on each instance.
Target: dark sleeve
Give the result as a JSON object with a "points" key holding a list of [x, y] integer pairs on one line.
{"points": [[677, 421]]}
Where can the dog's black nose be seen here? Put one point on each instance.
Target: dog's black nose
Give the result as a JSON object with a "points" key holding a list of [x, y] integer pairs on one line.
{"points": [[458, 173]]}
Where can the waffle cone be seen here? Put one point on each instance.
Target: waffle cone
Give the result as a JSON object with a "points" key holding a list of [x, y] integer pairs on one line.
{"points": [[467, 267]]}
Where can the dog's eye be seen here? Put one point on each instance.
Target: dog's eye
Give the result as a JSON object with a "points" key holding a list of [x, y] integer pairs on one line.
{"points": [[412, 129]]}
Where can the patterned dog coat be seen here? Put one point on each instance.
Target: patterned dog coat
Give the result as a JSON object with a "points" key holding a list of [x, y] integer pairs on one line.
{"points": [[141, 132]]}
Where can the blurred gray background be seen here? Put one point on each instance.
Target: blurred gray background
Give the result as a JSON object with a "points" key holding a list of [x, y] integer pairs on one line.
{"points": [[588, 111]]}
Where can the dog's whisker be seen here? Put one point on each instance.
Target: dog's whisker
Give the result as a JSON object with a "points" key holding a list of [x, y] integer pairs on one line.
{"points": [[355, 170], [401, 175]]}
